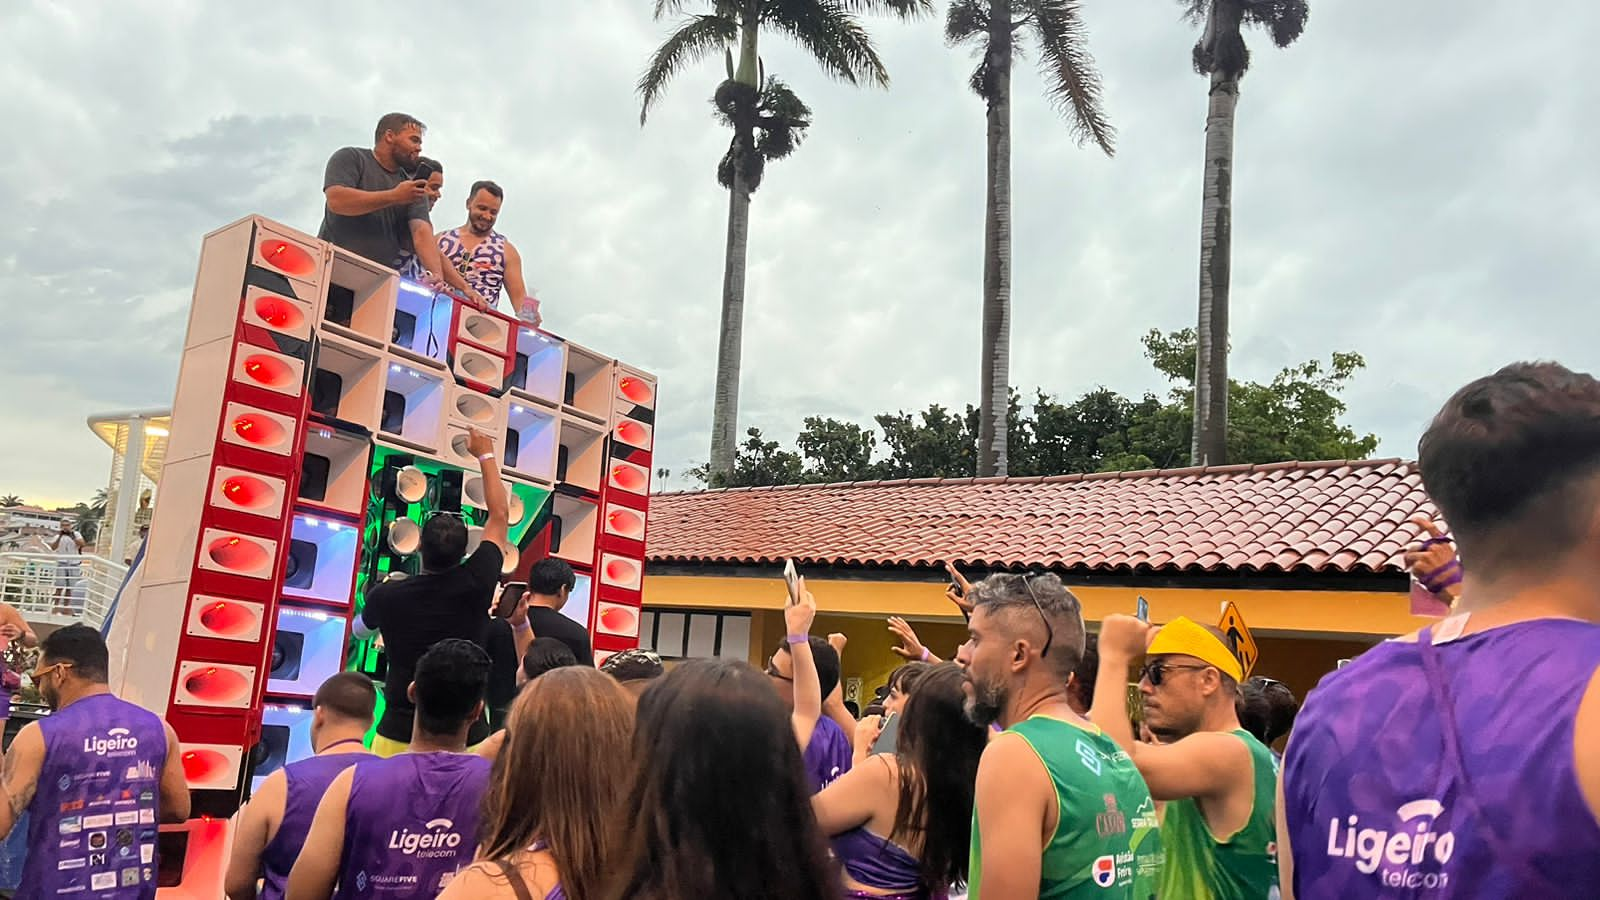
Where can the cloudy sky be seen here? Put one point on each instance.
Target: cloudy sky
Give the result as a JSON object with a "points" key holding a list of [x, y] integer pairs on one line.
{"points": [[1409, 186]]}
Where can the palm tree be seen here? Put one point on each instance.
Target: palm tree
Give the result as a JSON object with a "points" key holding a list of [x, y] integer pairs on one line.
{"points": [[768, 123], [1073, 84], [1221, 56], [10, 500]]}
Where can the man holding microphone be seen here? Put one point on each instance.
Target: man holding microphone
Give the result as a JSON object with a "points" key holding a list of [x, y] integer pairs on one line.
{"points": [[377, 202]]}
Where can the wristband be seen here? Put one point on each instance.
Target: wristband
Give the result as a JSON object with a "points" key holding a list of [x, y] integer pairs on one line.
{"points": [[525, 626], [797, 639], [926, 653], [486, 457]]}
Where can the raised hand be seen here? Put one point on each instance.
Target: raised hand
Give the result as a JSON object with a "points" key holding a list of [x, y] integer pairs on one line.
{"points": [[1433, 562], [478, 443], [960, 590], [1124, 636], [909, 646], [798, 616]]}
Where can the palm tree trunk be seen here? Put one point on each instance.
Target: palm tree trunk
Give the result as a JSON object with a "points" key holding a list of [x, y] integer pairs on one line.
{"points": [[995, 373], [1210, 445], [725, 407], [724, 416]]}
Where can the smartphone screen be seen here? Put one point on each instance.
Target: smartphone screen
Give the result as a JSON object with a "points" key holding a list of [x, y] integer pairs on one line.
{"points": [[510, 595], [424, 172], [889, 736], [1144, 610]]}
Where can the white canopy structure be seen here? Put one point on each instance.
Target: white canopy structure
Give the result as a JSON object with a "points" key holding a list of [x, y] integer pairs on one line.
{"points": [[138, 442]]}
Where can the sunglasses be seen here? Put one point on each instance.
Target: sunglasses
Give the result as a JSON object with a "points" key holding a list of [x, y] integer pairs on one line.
{"points": [[1049, 633], [1157, 671], [772, 670], [39, 673]]}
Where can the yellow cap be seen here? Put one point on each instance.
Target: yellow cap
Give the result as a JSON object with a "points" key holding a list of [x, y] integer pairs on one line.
{"points": [[1184, 637]]}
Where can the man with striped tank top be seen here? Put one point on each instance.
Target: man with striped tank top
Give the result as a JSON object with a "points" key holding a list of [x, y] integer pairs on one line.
{"points": [[272, 827], [1464, 760], [1216, 778], [1060, 811], [483, 256]]}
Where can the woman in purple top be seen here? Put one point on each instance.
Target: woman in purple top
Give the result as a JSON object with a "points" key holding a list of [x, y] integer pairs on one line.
{"points": [[555, 790], [718, 807], [901, 824]]}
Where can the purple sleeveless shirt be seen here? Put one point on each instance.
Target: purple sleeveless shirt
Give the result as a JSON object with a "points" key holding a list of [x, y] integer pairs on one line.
{"points": [[827, 756], [92, 821], [305, 782], [1444, 771], [411, 825]]}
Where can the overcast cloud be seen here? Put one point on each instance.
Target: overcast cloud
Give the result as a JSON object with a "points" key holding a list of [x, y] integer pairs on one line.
{"points": [[1412, 184]]}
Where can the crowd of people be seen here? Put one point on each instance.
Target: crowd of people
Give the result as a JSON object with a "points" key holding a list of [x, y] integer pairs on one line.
{"points": [[379, 203], [1455, 762]]}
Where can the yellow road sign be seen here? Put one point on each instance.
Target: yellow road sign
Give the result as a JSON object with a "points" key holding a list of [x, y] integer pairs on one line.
{"points": [[1239, 637]]}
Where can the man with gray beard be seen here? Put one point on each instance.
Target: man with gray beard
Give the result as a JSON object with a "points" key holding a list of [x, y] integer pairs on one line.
{"points": [[1051, 778]]}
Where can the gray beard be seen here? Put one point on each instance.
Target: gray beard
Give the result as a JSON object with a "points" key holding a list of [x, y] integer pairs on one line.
{"points": [[983, 708]]}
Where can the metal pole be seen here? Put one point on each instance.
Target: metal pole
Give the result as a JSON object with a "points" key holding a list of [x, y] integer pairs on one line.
{"points": [[128, 490]]}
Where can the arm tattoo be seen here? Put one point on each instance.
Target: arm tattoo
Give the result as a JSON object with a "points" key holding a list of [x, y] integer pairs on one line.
{"points": [[19, 796]]}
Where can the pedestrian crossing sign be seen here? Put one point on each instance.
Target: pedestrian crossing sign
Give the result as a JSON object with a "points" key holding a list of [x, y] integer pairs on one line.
{"points": [[1239, 638]]}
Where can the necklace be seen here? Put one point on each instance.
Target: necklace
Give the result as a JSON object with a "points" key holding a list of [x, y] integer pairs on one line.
{"points": [[338, 743]]}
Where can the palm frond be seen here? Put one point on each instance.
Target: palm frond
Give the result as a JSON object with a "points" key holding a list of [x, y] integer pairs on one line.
{"points": [[1072, 82], [1194, 11], [966, 19], [728, 9], [901, 9], [783, 119], [832, 35], [696, 38], [1285, 19]]}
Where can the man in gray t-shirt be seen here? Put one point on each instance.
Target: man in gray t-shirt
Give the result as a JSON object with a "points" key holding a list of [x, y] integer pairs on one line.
{"points": [[375, 210]]}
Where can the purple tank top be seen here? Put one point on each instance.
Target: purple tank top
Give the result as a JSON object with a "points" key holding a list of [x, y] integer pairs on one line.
{"points": [[305, 782], [92, 821], [828, 755], [1423, 770], [411, 825], [879, 863]]}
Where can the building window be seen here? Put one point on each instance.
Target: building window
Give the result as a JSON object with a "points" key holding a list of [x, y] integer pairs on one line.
{"points": [[695, 635]]}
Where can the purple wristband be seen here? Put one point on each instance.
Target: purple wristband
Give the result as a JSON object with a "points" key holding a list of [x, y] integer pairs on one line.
{"points": [[926, 653], [793, 639]]}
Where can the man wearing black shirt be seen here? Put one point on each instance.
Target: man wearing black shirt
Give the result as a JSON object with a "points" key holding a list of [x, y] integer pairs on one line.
{"points": [[549, 584], [449, 599], [374, 209]]}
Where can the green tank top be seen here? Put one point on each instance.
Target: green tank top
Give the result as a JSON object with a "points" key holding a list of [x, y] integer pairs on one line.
{"points": [[1245, 866], [1107, 842]]}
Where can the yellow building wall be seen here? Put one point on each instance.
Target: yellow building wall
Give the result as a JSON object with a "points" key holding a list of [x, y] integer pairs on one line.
{"points": [[1301, 634]]}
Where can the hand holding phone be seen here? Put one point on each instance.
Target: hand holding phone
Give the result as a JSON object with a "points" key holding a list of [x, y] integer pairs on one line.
{"points": [[1143, 612], [960, 590], [791, 578]]}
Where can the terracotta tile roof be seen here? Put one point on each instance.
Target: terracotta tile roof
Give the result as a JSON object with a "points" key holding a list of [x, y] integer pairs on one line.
{"points": [[1343, 516]]}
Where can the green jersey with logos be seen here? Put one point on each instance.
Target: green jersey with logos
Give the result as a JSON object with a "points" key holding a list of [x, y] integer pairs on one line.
{"points": [[1243, 867], [1107, 842]]}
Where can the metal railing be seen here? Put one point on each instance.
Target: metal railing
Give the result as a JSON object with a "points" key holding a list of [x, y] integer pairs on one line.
{"points": [[60, 590]]}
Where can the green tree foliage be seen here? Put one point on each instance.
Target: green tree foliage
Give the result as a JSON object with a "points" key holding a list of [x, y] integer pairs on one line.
{"points": [[1293, 416]]}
